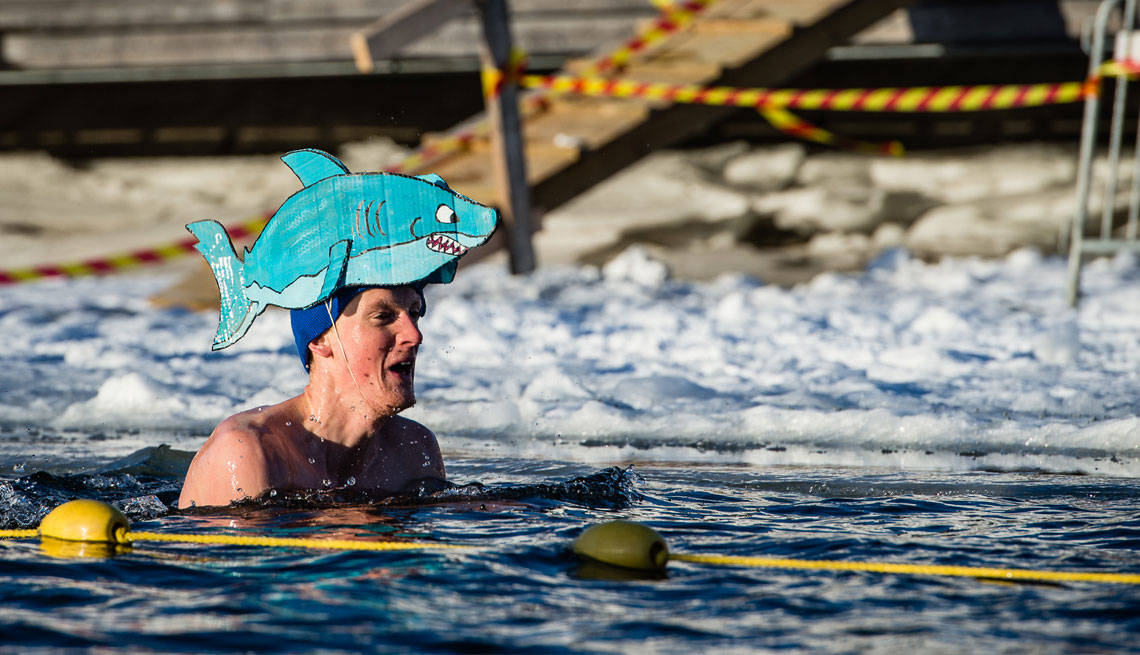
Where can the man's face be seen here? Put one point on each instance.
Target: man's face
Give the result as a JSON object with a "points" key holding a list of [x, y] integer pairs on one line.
{"points": [[379, 329]]}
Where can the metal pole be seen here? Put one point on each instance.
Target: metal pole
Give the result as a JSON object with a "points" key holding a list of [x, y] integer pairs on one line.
{"points": [[507, 147], [1116, 134], [1084, 169]]}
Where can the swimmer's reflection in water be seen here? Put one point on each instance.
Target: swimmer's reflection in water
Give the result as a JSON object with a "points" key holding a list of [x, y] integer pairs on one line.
{"points": [[343, 430]]}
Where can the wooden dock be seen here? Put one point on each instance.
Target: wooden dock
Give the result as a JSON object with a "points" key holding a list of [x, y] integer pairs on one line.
{"points": [[572, 143]]}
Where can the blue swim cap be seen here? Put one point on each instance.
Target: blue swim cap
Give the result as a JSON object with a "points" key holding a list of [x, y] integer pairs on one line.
{"points": [[311, 322]]}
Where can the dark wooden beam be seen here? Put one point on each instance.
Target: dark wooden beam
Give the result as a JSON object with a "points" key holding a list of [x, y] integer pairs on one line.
{"points": [[402, 27]]}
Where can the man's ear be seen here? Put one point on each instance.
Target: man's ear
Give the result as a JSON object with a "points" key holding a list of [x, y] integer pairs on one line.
{"points": [[320, 347]]}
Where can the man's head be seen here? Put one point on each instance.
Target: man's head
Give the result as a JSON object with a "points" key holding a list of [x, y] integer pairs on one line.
{"points": [[375, 341]]}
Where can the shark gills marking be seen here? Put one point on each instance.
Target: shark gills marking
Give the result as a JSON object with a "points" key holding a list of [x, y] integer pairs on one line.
{"points": [[378, 227], [356, 224]]}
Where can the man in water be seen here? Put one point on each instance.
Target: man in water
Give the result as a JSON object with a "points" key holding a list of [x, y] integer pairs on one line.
{"points": [[349, 254], [343, 430]]}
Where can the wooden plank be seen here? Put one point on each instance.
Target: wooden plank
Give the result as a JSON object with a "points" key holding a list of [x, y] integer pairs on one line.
{"points": [[387, 36], [92, 14], [672, 71], [742, 27], [311, 10], [798, 12], [741, 9], [98, 14], [722, 48], [252, 44], [583, 123], [782, 59]]}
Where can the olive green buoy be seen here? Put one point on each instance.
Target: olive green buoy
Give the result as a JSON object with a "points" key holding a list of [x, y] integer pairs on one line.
{"points": [[625, 544]]}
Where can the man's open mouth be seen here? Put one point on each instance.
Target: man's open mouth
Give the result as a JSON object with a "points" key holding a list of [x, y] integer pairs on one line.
{"points": [[445, 244], [403, 368]]}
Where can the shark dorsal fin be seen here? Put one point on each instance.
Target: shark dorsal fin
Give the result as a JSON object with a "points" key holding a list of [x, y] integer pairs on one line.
{"points": [[311, 166], [434, 179]]}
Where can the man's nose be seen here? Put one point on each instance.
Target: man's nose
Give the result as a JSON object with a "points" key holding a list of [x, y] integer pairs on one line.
{"points": [[409, 333]]}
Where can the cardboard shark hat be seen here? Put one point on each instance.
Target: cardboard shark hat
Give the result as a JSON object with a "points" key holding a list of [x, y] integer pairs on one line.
{"points": [[341, 230]]}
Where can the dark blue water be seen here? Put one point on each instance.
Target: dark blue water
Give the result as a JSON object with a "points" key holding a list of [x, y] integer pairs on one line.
{"points": [[522, 591]]}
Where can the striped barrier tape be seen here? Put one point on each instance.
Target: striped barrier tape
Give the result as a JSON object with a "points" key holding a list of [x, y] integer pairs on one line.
{"points": [[794, 126], [494, 79], [125, 261], [673, 17], [890, 99]]}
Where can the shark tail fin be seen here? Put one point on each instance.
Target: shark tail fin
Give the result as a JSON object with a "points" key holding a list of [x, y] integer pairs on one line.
{"points": [[235, 315]]}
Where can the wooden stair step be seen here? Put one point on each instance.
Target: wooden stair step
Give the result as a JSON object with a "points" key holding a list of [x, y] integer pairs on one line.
{"points": [[588, 124], [727, 50]]}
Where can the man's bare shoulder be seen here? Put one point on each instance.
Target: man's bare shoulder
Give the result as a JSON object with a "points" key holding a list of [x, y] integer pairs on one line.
{"points": [[417, 446], [406, 428], [237, 460]]}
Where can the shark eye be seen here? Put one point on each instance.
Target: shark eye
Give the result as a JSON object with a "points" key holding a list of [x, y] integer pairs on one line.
{"points": [[445, 214]]}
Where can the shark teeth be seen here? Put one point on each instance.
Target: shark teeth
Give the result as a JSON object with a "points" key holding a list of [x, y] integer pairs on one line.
{"points": [[445, 244]]}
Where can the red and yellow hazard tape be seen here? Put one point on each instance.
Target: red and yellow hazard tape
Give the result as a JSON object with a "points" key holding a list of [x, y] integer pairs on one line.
{"points": [[794, 126], [890, 99], [674, 16], [117, 263], [494, 79]]}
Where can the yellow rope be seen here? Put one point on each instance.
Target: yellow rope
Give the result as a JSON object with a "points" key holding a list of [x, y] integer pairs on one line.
{"points": [[286, 542], [725, 560], [912, 569]]}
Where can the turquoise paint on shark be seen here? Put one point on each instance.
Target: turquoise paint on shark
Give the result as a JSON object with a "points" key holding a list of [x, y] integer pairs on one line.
{"points": [[341, 229]]}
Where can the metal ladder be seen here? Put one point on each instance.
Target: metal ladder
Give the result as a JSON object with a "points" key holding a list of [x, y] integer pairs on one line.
{"points": [[1104, 242]]}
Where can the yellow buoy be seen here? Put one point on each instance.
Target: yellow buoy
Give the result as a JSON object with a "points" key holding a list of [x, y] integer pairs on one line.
{"points": [[623, 543], [85, 520], [65, 549]]}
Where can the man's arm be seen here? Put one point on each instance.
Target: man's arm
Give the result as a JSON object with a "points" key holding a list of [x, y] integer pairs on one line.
{"points": [[230, 466]]}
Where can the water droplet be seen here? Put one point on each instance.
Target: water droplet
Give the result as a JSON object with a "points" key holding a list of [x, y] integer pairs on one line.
{"points": [[19, 468], [327, 483], [312, 461], [350, 481], [312, 417], [272, 493], [288, 424]]}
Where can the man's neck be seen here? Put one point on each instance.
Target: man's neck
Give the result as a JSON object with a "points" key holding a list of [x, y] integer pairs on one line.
{"points": [[344, 418]]}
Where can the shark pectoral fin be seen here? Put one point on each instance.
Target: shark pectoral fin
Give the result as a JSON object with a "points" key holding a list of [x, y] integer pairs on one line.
{"points": [[311, 166], [338, 260]]}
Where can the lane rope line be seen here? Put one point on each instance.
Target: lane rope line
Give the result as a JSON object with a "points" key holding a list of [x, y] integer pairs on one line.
{"points": [[910, 569], [989, 573], [288, 542]]}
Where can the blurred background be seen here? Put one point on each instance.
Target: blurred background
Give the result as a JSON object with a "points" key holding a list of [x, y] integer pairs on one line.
{"points": [[122, 120]]}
